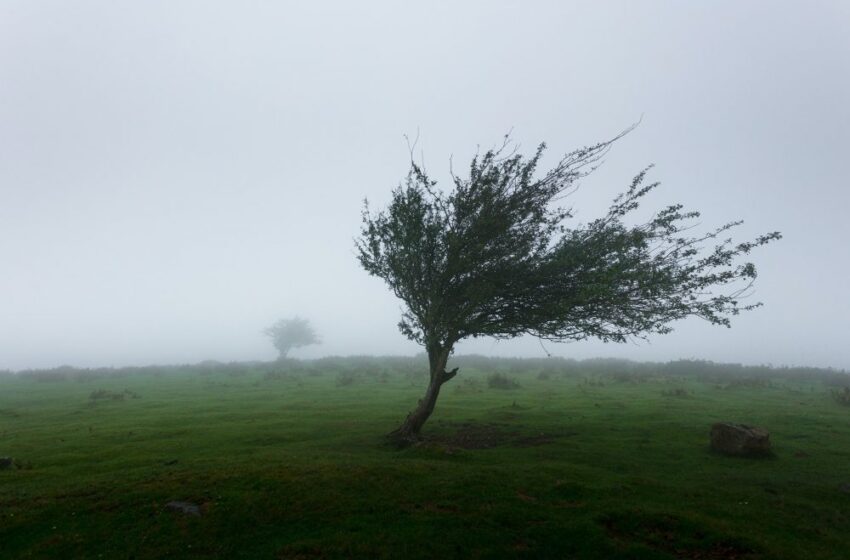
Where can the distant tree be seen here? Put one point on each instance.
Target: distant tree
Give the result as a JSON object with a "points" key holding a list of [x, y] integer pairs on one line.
{"points": [[287, 334], [493, 257]]}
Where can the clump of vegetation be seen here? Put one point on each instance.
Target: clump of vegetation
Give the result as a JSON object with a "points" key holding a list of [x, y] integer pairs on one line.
{"points": [[677, 392], [105, 394], [544, 376], [501, 381], [841, 396], [12, 463], [346, 378]]}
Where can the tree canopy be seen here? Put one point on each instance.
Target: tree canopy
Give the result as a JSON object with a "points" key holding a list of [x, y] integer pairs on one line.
{"points": [[287, 334], [494, 256]]}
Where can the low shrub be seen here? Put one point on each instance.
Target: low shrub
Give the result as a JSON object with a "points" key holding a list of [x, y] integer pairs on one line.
{"points": [[104, 394], [345, 379], [501, 381], [841, 396]]}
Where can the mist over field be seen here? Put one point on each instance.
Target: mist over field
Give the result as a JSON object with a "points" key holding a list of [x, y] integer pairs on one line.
{"points": [[175, 177], [295, 280]]}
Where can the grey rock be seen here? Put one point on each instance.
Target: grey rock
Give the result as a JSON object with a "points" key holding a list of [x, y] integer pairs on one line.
{"points": [[740, 440], [186, 508]]}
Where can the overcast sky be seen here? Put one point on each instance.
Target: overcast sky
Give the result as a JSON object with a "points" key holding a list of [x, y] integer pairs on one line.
{"points": [[175, 176]]}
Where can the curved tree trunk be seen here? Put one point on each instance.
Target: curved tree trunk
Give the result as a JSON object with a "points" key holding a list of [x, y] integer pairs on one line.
{"points": [[409, 431]]}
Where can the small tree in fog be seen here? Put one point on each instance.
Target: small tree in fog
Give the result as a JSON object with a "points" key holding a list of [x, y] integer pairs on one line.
{"points": [[492, 256], [287, 334]]}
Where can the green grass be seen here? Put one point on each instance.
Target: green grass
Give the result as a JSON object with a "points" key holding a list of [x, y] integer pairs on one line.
{"points": [[296, 467]]}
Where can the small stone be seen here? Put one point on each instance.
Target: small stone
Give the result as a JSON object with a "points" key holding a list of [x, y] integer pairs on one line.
{"points": [[186, 508], [6, 463], [740, 440], [845, 487]]}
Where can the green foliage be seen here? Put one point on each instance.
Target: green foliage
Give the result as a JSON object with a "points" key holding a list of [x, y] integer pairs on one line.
{"points": [[287, 334], [346, 378], [493, 256], [501, 381], [841, 396]]}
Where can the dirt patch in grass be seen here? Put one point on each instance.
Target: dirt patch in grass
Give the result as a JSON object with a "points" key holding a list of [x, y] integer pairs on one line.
{"points": [[486, 435], [680, 537]]}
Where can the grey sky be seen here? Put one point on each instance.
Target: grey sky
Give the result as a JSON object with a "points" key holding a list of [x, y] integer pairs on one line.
{"points": [[175, 176]]}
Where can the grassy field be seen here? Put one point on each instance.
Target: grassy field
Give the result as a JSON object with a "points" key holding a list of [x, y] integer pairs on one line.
{"points": [[555, 460]]}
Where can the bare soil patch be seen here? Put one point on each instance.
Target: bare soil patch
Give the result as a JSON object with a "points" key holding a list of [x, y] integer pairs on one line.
{"points": [[679, 537], [486, 435]]}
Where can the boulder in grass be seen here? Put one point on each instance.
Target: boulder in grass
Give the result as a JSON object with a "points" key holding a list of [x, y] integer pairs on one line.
{"points": [[186, 508], [740, 440], [6, 463]]}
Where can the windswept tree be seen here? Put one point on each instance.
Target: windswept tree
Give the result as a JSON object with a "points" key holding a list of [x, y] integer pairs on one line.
{"points": [[287, 334], [493, 257]]}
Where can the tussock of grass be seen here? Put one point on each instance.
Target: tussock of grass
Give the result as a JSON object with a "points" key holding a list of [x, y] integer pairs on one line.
{"points": [[841, 396], [105, 394], [501, 381]]}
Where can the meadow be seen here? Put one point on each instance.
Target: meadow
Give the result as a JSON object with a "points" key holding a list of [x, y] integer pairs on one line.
{"points": [[543, 458]]}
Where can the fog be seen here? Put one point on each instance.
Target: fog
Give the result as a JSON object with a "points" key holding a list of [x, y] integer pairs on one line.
{"points": [[176, 176]]}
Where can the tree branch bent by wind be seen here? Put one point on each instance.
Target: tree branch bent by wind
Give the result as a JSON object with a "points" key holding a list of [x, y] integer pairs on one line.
{"points": [[494, 257]]}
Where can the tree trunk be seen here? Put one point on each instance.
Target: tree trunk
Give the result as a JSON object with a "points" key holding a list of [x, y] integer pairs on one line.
{"points": [[409, 431]]}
